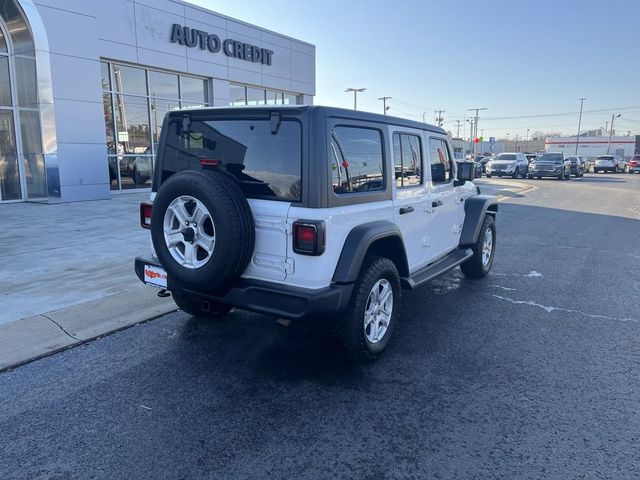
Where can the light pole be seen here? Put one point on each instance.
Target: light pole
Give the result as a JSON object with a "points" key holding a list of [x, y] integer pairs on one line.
{"points": [[475, 134], [506, 143], [613, 117], [517, 142], [458, 127], [355, 95], [579, 122], [527, 140]]}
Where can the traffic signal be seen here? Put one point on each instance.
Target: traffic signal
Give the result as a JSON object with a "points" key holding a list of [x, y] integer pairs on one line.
{"points": [[476, 140]]}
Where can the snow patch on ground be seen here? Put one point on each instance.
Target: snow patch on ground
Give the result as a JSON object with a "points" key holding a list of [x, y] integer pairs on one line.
{"points": [[503, 288]]}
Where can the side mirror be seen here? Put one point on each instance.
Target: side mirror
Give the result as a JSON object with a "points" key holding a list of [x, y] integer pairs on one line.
{"points": [[465, 173]]}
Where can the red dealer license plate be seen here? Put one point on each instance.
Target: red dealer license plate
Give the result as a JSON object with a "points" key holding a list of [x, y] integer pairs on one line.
{"points": [[155, 276]]}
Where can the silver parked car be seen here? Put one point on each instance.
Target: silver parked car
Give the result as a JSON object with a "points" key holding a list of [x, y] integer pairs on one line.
{"points": [[609, 163], [508, 164]]}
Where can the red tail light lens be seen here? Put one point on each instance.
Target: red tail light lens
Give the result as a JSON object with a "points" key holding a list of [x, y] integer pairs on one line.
{"points": [[206, 162], [309, 237], [145, 214]]}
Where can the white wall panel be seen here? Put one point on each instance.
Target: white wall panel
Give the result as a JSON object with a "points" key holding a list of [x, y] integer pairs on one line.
{"points": [[68, 84], [79, 122], [116, 21]]}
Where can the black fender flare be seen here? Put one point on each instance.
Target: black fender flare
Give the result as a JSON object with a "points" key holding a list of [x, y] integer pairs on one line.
{"points": [[475, 208], [357, 244]]}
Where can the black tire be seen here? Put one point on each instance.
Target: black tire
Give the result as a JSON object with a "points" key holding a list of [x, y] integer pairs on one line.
{"points": [[488, 176], [198, 307], [516, 173], [475, 267], [349, 328], [231, 217], [539, 178], [530, 177]]}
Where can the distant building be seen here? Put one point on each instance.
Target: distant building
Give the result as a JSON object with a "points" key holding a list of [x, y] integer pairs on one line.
{"points": [[592, 146]]}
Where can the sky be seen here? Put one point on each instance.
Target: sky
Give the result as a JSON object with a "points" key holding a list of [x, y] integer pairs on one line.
{"points": [[515, 58]]}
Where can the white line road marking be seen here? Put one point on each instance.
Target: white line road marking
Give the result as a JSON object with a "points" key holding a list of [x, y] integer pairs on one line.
{"points": [[558, 309]]}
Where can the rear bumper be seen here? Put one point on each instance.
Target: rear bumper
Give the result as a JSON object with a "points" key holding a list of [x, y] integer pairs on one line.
{"points": [[270, 298], [597, 168]]}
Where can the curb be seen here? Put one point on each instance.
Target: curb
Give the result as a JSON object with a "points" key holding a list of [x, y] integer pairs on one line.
{"points": [[32, 338]]}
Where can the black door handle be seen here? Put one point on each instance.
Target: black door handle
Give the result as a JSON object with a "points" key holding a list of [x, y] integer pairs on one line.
{"points": [[404, 210], [437, 203]]}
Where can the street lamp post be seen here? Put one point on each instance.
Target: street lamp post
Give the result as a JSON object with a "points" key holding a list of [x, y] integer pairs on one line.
{"points": [[506, 143], [355, 95], [613, 117], [527, 144], [579, 122], [516, 142]]}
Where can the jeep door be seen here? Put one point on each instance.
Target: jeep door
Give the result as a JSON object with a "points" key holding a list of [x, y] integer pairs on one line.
{"points": [[443, 201], [411, 212]]}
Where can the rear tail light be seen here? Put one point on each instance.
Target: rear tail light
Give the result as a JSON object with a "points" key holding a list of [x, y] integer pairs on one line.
{"points": [[145, 214], [309, 237], [209, 162]]}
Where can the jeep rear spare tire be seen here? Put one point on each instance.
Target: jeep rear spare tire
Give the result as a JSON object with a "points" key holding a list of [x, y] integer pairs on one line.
{"points": [[202, 230]]}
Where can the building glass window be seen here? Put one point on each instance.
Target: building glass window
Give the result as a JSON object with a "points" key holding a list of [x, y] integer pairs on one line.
{"points": [[21, 158], [135, 102], [237, 95], [27, 88], [255, 96], [130, 80], [5, 85], [290, 99], [193, 90], [163, 85]]}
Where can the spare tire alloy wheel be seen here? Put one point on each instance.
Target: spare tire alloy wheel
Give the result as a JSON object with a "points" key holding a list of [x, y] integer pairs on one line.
{"points": [[189, 232], [202, 230]]}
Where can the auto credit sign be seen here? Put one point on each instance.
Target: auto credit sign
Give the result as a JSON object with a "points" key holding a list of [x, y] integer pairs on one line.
{"points": [[193, 38]]}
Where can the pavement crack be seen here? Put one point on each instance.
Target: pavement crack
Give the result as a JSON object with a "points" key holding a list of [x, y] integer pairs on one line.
{"points": [[60, 327], [549, 309]]}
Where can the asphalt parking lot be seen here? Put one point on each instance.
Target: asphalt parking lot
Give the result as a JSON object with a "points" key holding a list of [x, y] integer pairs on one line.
{"points": [[529, 373]]}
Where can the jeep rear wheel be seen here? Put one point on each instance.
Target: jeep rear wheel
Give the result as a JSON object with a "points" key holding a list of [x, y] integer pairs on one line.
{"points": [[202, 230], [199, 307], [484, 249], [364, 330]]}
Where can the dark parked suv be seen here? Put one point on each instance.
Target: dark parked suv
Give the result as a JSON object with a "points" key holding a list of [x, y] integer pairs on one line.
{"points": [[550, 165]]}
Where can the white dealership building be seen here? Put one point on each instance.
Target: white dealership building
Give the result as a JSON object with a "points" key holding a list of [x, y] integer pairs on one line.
{"points": [[85, 84]]}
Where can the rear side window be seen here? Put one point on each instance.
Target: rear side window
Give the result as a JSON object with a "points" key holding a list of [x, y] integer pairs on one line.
{"points": [[356, 160], [268, 165], [407, 155], [441, 166]]}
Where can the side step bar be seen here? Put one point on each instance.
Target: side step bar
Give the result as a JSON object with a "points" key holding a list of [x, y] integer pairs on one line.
{"points": [[436, 269]]}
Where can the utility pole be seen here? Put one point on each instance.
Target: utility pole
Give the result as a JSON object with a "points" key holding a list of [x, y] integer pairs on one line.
{"points": [[606, 125], [355, 95], [579, 123], [527, 147], [458, 127], [613, 117], [439, 118], [475, 127], [424, 117], [517, 143], [384, 104]]}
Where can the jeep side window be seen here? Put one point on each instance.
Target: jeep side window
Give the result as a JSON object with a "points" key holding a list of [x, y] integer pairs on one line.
{"points": [[441, 167], [356, 160], [407, 154]]}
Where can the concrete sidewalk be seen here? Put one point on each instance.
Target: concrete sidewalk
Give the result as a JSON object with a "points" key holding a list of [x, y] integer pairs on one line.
{"points": [[66, 275]]}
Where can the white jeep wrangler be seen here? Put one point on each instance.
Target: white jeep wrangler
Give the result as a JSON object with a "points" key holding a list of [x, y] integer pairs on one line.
{"points": [[314, 212]]}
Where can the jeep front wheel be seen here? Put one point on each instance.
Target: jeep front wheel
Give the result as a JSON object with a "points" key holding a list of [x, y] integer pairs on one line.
{"points": [[480, 263], [365, 329]]}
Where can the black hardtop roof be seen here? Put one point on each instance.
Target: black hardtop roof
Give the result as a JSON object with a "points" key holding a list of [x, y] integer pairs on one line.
{"points": [[333, 112]]}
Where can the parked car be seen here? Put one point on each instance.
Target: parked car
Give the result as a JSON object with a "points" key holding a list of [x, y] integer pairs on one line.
{"points": [[550, 164], [609, 163], [483, 160], [140, 167], [247, 218], [634, 164], [530, 157], [508, 164], [577, 166]]}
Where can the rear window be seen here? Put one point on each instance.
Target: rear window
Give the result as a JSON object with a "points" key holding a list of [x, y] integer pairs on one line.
{"points": [[268, 165], [605, 157], [506, 156]]}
